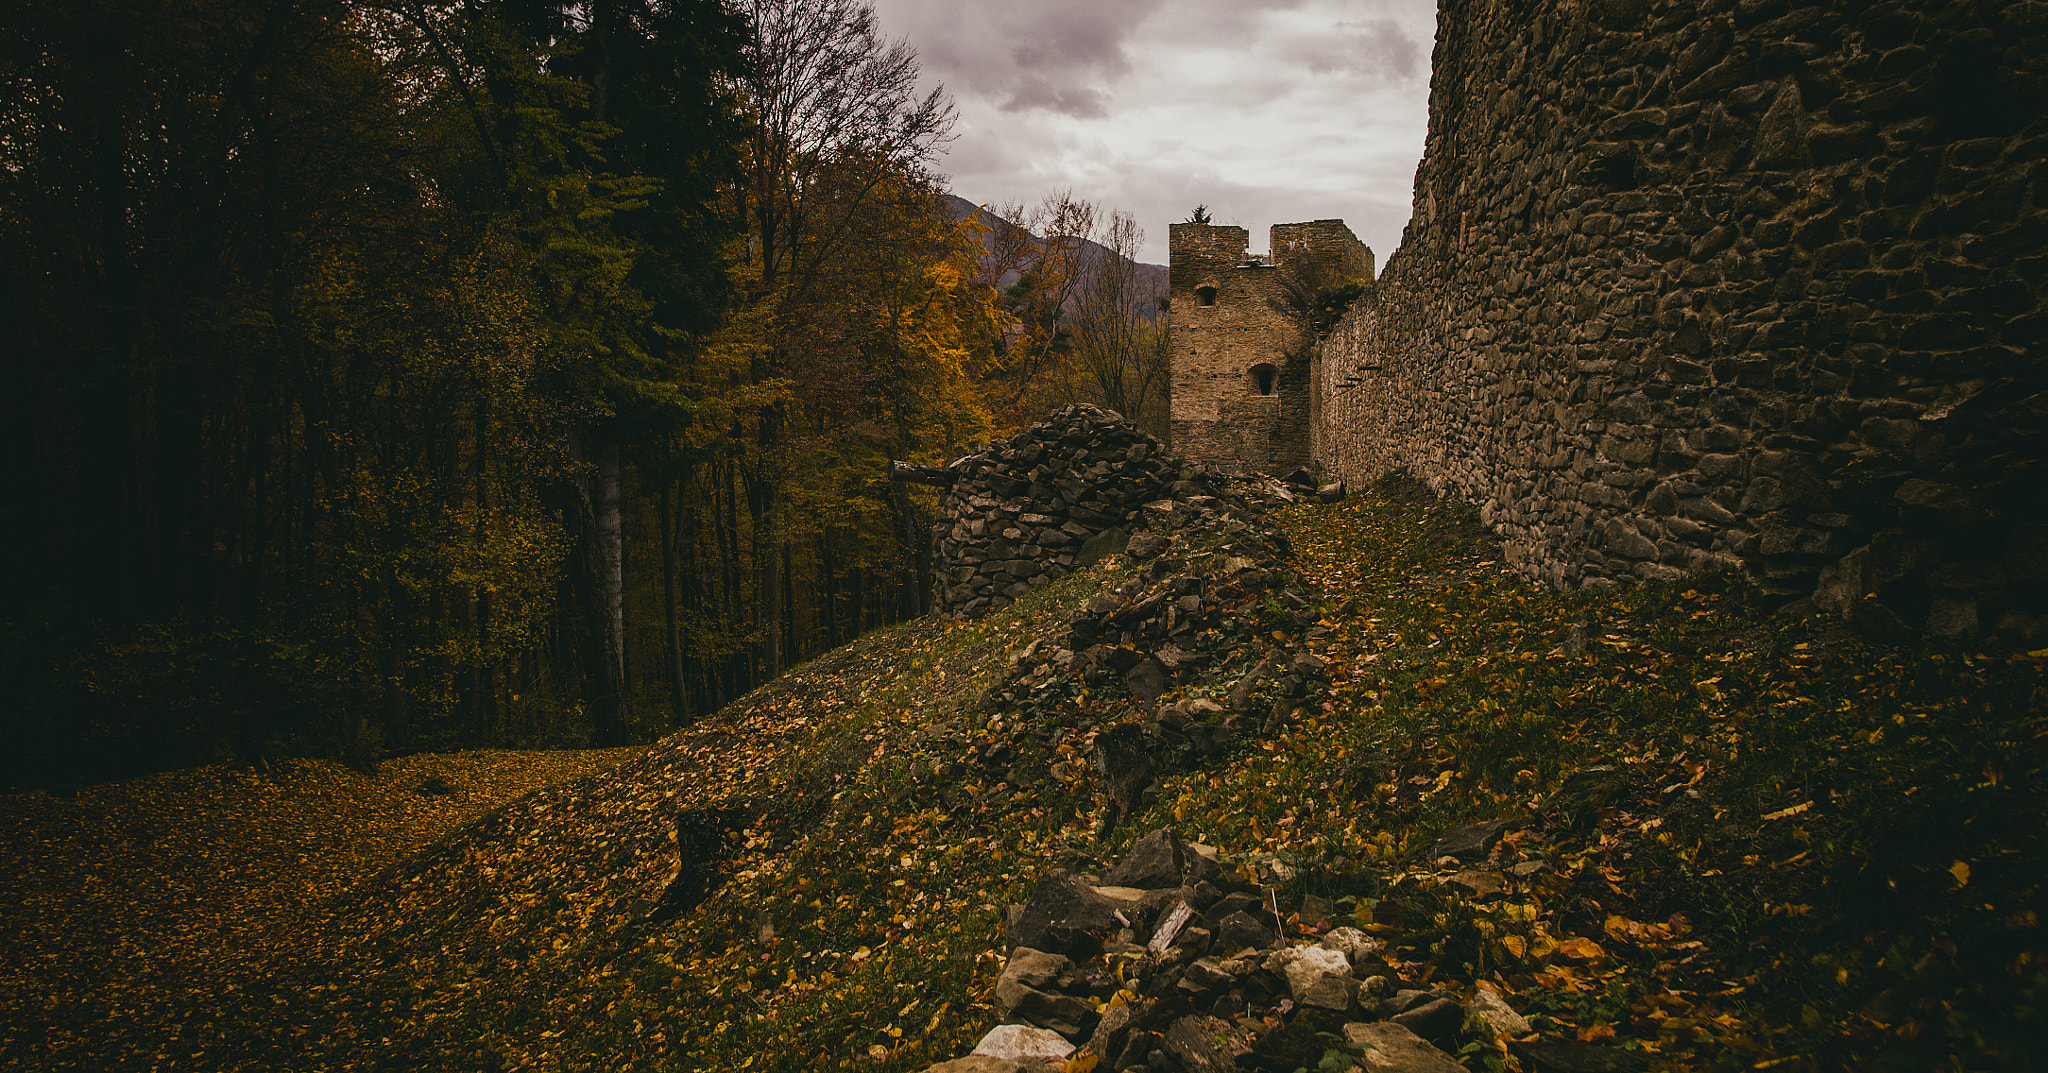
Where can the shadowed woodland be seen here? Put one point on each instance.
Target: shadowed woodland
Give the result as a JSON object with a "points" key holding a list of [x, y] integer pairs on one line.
{"points": [[389, 376]]}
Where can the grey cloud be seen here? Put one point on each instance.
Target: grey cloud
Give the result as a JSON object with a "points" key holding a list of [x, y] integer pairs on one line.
{"points": [[1080, 102], [1074, 35], [1060, 56], [1267, 110], [1375, 47], [1219, 19]]}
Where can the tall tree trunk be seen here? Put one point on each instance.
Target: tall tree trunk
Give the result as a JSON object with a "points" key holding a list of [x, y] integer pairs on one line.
{"points": [[731, 600], [828, 566], [860, 599], [761, 502], [673, 648], [487, 713], [601, 584], [764, 493], [913, 555], [109, 486], [792, 650], [696, 589]]}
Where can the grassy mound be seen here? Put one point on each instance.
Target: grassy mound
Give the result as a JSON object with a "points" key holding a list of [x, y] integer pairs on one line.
{"points": [[1803, 849]]}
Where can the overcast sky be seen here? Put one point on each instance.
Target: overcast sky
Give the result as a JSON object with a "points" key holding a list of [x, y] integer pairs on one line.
{"points": [[1269, 111]]}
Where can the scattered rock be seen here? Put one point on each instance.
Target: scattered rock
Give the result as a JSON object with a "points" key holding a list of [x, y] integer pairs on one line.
{"points": [[976, 1063], [1412, 998], [1437, 1020], [1064, 916], [1145, 682], [1473, 841], [1144, 546], [1204, 975], [1126, 757], [1391, 1048], [1576, 638], [1490, 1014], [1017, 1043], [1240, 930], [1073, 1018], [1110, 1032], [1330, 992], [1137, 1048], [1304, 966], [1354, 944], [1476, 883], [1155, 862], [1021, 989], [1032, 968], [1236, 902], [1207, 1044], [1879, 623], [1112, 541]]}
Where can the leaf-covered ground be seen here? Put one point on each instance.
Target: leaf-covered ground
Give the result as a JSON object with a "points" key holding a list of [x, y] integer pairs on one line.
{"points": [[131, 904], [1823, 853], [1812, 852]]}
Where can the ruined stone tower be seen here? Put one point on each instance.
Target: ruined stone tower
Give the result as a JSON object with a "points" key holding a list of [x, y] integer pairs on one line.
{"points": [[1241, 398]]}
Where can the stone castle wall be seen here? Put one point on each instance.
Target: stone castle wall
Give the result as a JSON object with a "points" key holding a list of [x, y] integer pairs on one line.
{"points": [[1745, 282], [1032, 509], [1223, 326]]}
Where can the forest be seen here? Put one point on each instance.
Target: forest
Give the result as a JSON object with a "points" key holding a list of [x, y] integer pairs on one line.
{"points": [[402, 375]]}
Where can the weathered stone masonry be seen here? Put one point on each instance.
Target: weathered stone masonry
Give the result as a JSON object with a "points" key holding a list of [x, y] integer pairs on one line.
{"points": [[1241, 403], [1024, 512], [1749, 282]]}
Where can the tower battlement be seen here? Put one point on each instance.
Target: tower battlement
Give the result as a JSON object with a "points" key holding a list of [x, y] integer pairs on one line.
{"points": [[1241, 365]]}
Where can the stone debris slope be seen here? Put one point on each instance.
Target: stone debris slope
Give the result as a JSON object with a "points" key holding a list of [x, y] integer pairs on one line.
{"points": [[1174, 959], [1195, 648]]}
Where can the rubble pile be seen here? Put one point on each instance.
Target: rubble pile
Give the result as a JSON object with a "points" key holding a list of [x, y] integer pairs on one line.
{"points": [[1212, 580], [1048, 501], [1212, 622], [1177, 960], [1206, 639]]}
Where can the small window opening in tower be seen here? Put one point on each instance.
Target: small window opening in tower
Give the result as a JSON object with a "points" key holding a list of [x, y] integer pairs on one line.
{"points": [[1205, 296], [1265, 378]]}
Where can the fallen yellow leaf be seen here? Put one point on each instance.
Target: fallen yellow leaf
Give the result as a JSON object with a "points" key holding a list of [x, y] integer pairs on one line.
{"points": [[1580, 948]]}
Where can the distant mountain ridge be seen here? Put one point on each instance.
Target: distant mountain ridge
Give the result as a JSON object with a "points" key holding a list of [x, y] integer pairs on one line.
{"points": [[1151, 279]]}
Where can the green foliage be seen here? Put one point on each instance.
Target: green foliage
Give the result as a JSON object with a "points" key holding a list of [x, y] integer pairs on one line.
{"points": [[1332, 302], [315, 313]]}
